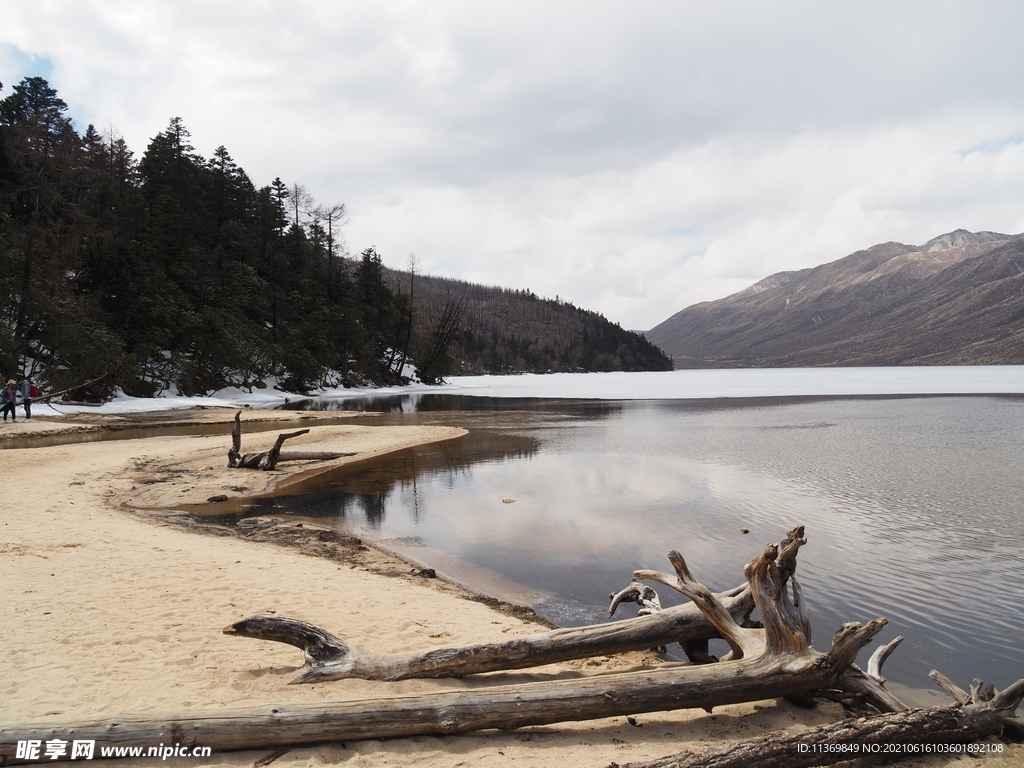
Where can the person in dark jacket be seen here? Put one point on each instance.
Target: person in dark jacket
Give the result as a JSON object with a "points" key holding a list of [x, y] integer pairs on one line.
{"points": [[8, 397], [26, 390]]}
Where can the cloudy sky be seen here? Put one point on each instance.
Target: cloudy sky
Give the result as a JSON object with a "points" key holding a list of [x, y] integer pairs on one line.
{"points": [[633, 158]]}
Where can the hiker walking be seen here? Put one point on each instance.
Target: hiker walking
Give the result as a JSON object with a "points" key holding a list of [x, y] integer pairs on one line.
{"points": [[27, 390], [8, 397]]}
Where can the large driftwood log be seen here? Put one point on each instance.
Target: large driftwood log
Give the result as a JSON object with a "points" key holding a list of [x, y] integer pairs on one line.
{"points": [[913, 733], [268, 460], [331, 658], [514, 706], [503, 707], [770, 663]]}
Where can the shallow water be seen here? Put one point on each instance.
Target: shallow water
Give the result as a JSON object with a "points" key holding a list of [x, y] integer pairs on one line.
{"points": [[912, 506]]}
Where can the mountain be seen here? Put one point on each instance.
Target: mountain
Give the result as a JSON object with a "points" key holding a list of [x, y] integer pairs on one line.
{"points": [[956, 300]]}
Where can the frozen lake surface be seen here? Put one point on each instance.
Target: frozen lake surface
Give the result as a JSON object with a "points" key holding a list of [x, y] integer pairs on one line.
{"points": [[748, 382], [668, 385]]}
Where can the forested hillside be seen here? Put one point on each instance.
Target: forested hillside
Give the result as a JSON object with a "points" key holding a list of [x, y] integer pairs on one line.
{"points": [[508, 331], [172, 270]]}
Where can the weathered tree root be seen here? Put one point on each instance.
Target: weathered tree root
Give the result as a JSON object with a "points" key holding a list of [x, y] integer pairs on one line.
{"points": [[638, 593], [268, 460], [912, 733]]}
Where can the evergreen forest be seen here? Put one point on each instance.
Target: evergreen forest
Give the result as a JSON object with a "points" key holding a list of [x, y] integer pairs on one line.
{"points": [[171, 271]]}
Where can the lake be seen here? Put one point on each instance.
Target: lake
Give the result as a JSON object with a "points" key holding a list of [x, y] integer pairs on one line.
{"points": [[912, 506]]}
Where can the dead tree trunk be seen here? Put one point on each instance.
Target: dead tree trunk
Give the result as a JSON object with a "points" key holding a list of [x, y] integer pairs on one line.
{"points": [[268, 460], [331, 658], [777, 661], [913, 733], [449, 712]]}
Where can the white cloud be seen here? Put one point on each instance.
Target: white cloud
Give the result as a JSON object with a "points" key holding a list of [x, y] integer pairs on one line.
{"points": [[632, 159]]}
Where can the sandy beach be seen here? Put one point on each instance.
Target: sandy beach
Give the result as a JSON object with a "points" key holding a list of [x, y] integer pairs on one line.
{"points": [[115, 606]]}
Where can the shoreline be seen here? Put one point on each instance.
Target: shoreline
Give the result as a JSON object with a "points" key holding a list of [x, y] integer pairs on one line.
{"points": [[114, 610]]}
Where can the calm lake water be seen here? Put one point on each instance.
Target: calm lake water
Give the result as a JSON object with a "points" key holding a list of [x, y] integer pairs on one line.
{"points": [[913, 508]]}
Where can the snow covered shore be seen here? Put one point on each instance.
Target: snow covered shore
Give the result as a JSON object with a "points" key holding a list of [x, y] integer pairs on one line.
{"points": [[668, 385]]}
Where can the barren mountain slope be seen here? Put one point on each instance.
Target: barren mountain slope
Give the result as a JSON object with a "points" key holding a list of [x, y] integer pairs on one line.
{"points": [[953, 300]]}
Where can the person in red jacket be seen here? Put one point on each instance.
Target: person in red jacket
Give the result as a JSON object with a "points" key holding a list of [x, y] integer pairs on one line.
{"points": [[8, 397]]}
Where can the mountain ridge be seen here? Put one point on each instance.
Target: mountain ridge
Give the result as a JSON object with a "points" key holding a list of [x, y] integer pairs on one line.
{"points": [[953, 300]]}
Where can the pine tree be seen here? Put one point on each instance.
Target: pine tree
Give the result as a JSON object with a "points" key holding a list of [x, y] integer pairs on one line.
{"points": [[47, 321]]}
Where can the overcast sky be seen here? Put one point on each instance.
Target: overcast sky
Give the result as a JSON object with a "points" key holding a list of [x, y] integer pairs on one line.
{"points": [[633, 158]]}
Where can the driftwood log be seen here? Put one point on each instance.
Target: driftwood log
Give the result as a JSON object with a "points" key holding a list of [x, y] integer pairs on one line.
{"points": [[268, 460], [331, 658], [770, 663], [914, 733], [508, 707]]}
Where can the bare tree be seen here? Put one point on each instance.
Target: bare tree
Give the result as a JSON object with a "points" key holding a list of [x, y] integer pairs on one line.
{"points": [[301, 202], [336, 216], [413, 264], [432, 366]]}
